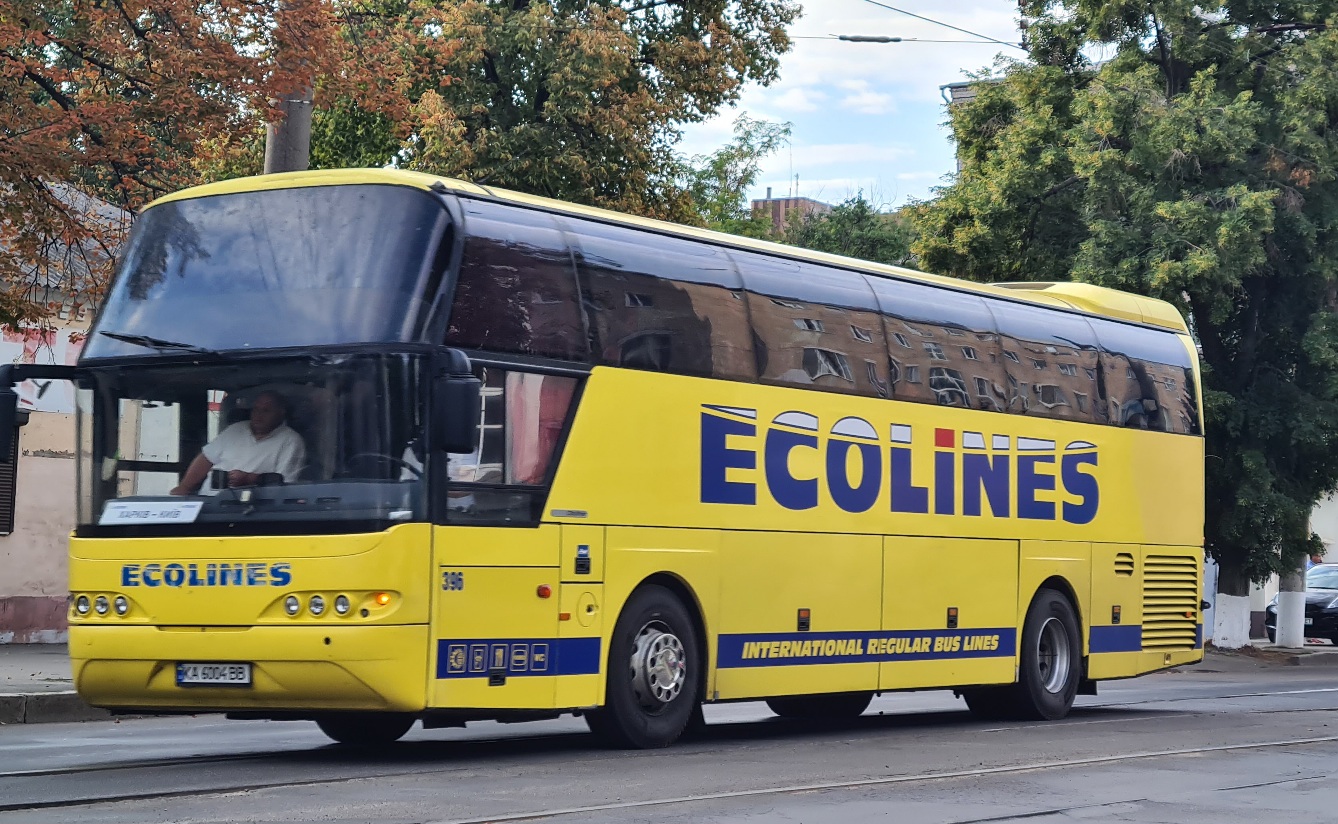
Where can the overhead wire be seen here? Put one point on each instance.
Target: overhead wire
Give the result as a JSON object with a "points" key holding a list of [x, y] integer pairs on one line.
{"points": [[888, 40], [985, 37]]}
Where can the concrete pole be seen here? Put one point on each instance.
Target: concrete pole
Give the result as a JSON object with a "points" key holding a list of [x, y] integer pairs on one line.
{"points": [[1291, 609], [288, 141]]}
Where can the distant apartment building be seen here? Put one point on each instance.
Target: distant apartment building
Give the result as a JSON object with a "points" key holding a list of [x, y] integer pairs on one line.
{"points": [[781, 210]]}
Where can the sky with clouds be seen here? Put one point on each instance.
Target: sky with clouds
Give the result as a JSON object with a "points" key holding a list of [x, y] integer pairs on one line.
{"points": [[867, 116]]}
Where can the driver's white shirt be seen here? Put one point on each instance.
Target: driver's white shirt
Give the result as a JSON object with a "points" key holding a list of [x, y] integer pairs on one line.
{"points": [[236, 447]]}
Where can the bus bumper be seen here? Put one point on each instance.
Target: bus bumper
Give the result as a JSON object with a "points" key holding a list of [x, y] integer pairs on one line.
{"points": [[293, 669]]}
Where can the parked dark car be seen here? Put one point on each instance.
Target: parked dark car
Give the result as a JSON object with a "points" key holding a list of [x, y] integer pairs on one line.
{"points": [[1321, 605]]}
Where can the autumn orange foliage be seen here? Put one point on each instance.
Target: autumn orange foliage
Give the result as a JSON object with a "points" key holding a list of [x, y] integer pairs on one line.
{"points": [[123, 100]]}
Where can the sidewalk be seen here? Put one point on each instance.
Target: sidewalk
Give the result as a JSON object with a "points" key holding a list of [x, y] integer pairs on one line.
{"points": [[1262, 654], [36, 686]]}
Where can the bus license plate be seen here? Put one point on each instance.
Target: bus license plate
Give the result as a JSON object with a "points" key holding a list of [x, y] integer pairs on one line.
{"points": [[221, 674]]}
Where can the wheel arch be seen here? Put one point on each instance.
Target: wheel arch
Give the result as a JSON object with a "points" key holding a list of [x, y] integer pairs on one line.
{"points": [[684, 592]]}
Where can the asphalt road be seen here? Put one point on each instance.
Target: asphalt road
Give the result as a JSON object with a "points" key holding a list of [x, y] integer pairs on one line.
{"points": [[1184, 747]]}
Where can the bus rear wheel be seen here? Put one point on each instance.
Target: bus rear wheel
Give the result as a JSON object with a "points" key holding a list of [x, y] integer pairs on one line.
{"points": [[654, 673], [835, 707], [365, 729], [1049, 670]]}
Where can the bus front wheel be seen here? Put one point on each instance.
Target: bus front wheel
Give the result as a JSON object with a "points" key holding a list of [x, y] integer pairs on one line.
{"points": [[365, 729], [654, 674], [1049, 670]]}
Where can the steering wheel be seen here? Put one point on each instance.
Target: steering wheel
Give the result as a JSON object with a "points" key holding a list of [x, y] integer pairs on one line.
{"points": [[384, 458]]}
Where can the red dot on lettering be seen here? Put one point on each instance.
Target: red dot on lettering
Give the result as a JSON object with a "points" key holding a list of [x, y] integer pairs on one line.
{"points": [[944, 438]]}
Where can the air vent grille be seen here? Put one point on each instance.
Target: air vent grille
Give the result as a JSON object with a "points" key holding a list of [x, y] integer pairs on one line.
{"points": [[1124, 564], [1170, 602]]}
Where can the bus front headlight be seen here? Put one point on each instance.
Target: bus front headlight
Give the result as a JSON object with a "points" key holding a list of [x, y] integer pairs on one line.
{"points": [[81, 605], [291, 605], [316, 605]]}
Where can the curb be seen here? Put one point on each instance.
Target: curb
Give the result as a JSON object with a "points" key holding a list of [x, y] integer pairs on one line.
{"points": [[47, 708], [1312, 659]]}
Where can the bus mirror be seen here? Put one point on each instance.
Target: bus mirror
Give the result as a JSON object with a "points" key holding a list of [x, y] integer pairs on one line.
{"points": [[9, 414], [456, 411]]}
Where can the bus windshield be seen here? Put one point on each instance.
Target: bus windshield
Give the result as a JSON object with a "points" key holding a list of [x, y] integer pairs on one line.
{"points": [[314, 441], [266, 269]]}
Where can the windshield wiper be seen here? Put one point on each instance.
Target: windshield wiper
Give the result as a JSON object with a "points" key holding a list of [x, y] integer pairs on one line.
{"points": [[158, 343]]}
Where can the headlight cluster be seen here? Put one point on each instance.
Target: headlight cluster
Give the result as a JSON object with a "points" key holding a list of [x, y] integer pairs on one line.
{"points": [[318, 604], [98, 605]]}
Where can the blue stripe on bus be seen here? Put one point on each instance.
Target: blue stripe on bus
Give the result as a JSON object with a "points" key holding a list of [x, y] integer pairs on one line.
{"points": [[1127, 638], [517, 657], [783, 649], [1198, 636]]}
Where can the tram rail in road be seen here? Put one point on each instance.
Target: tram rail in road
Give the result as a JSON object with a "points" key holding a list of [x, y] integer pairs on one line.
{"points": [[740, 756]]}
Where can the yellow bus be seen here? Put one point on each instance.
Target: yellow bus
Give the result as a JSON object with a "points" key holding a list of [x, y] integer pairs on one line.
{"points": [[370, 447]]}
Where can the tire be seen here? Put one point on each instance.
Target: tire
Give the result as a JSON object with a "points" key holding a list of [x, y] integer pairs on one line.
{"points": [[836, 707], [365, 729], [1049, 669], [1051, 658], [654, 674]]}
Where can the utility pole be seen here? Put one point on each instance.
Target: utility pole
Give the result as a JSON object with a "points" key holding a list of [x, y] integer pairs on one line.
{"points": [[1291, 609], [288, 140]]}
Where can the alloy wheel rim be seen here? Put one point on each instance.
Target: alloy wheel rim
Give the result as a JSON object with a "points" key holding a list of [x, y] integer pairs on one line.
{"points": [[1053, 655], [659, 667]]}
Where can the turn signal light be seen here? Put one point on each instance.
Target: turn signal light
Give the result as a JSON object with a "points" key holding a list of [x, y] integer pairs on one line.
{"points": [[381, 598]]}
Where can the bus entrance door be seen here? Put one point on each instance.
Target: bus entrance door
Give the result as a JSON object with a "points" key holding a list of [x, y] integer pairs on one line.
{"points": [[495, 619]]}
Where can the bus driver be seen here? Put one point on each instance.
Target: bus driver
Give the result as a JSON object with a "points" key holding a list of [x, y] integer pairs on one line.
{"points": [[247, 449]]}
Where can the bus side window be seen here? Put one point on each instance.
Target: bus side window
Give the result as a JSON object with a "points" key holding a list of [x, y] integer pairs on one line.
{"points": [[1149, 378], [814, 326], [945, 339], [1051, 360], [516, 290], [524, 416], [660, 303]]}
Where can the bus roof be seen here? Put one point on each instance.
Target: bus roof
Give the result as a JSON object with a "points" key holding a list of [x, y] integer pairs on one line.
{"points": [[1083, 297]]}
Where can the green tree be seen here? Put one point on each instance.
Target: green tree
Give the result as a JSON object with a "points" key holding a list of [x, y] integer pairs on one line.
{"points": [[586, 100], [583, 101], [718, 183], [855, 228], [1196, 165]]}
